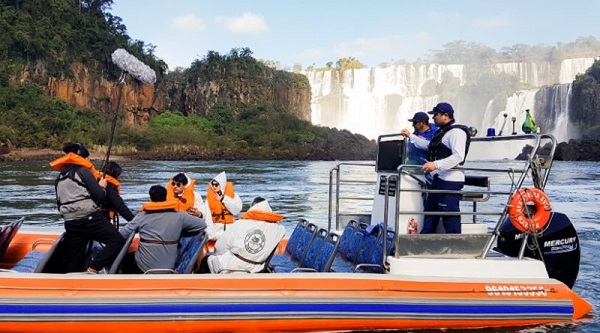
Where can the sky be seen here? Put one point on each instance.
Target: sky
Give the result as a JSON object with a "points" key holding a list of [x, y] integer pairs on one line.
{"points": [[310, 32]]}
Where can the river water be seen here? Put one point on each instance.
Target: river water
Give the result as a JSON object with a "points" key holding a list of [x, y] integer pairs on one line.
{"points": [[299, 189]]}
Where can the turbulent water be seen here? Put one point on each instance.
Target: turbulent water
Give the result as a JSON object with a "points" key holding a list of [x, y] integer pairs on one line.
{"points": [[299, 189]]}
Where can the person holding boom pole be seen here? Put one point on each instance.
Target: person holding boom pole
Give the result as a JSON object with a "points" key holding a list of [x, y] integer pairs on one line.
{"points": [[79, 194], [111, 170]]}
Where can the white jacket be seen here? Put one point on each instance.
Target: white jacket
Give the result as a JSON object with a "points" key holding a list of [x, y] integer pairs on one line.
{"points": [[246, 244]]}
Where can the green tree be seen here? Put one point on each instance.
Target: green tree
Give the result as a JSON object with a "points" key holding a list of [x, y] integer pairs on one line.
{"points": [[349, 63]]}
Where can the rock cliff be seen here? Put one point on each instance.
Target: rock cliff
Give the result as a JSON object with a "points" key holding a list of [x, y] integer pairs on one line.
{"points": [[87, 90], [197, 96], [141, 101]]}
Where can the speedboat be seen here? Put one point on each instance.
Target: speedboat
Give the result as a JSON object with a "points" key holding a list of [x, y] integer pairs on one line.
{"points": [[514, 264]]}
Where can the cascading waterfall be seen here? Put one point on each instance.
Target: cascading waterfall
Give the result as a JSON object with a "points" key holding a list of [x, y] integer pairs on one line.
{"points": [[375, 101], [381, 100], [553, 110]]}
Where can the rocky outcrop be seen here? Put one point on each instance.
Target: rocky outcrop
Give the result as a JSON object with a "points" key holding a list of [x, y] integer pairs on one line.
{"points": [[578, 150], [198, 96], [574, 150], [142, 101], [87, 90]]}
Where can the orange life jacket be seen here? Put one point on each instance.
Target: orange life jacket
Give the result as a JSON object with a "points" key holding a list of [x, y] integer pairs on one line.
{"points": [[116, 183], [154, 206], [261, 216], [72, 158], [186, 200], [220, 214]]}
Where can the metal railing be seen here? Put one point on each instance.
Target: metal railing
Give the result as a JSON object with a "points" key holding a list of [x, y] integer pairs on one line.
{"points": [[335, 179], [536, 165]]}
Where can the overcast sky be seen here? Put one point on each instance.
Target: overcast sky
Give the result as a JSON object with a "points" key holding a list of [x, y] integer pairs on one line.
{"points": [[315, 32]]}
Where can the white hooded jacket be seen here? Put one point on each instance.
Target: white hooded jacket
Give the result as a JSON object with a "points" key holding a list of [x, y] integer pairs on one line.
{"points": [[246, 244], [233, 205]]}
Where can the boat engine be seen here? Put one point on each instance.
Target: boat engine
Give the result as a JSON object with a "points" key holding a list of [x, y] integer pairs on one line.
{"points": [[559, 247]]}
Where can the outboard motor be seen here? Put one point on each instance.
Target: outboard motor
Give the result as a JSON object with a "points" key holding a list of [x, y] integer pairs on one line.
{"points": [[559, 247]]}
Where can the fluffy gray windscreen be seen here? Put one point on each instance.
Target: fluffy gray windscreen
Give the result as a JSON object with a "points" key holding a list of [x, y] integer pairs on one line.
{"points": [[128, 63]]}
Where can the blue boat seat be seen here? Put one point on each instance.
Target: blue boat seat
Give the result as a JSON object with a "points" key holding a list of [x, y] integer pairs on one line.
{"points": [[279, 259], [35, 261], [29, 263], [347, 235], [345, 258], [375, 263], [311, 253], [188, 252], [323, 258], [368, 246], [287, 263]]}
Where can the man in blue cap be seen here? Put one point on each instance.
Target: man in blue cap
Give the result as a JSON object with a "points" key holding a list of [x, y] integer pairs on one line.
{"points": [[424, 130], [447, 149]]}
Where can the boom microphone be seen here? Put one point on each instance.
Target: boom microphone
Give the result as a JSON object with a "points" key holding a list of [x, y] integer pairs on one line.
{"points": [[130, 64]]}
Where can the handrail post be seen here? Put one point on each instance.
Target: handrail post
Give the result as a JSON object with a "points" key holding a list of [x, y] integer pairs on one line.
{"points": [[330, 199]]}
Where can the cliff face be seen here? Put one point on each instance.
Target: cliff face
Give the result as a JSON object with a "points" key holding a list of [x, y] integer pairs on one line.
{"points": [[142, 101], [198, 96], [87, 90]]}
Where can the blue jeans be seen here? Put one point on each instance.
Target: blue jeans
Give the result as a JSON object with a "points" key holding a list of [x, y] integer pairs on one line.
{"points": [[442, 202]]}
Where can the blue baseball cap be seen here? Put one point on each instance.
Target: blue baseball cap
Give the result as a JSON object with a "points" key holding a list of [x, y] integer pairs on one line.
{"points": [[420, 116], [442, 107]]}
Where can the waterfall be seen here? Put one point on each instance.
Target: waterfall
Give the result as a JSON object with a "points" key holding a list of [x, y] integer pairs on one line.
{"points": [[375, 101], [569, 68], [561, 125], [553, 109], [531, 73]]}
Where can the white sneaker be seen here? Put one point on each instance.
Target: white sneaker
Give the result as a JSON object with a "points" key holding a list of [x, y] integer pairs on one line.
{"points": [[102, 271]]}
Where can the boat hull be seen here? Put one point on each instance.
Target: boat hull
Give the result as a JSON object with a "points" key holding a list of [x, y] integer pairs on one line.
{"points": [[271, 302], [31, 302]]}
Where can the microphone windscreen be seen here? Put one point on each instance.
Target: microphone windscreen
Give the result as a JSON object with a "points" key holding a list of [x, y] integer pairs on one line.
{"points": [[130, 64]]}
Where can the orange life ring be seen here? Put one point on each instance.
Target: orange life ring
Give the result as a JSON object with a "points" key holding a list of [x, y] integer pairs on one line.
{"points": [[517, 207]]}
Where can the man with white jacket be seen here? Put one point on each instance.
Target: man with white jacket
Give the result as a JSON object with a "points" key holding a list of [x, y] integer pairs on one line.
{"points": [[246, 244]]}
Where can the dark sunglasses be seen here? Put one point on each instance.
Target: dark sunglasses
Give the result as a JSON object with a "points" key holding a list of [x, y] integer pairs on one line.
{"points": [[214, 183], [176, 184]]}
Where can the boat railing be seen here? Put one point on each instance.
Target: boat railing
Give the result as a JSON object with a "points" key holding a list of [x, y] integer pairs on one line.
{"points": [[537, 165], [338, 179]]}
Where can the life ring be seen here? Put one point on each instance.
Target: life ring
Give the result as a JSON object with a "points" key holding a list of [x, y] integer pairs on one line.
{"points": [[517, 210]]}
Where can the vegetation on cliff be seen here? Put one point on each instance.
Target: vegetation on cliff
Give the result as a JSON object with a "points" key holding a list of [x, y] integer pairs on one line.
{"points": [[236, 80], [45, 37], [222, 107], [585, 102]]}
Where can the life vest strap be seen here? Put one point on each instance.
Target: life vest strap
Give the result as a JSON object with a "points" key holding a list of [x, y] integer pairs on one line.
{"points": [[153, 241], [248, 260]]}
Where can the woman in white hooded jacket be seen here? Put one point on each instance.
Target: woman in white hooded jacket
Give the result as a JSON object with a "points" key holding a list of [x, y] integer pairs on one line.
{"points": [[223, 204], [246, 244]]}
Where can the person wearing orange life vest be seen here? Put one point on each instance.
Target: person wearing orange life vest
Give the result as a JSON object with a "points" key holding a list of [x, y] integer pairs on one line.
{"points": [[181, 189], [78, 194], [246, 244], [114, 204], [160, 225], [223, 203]]}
